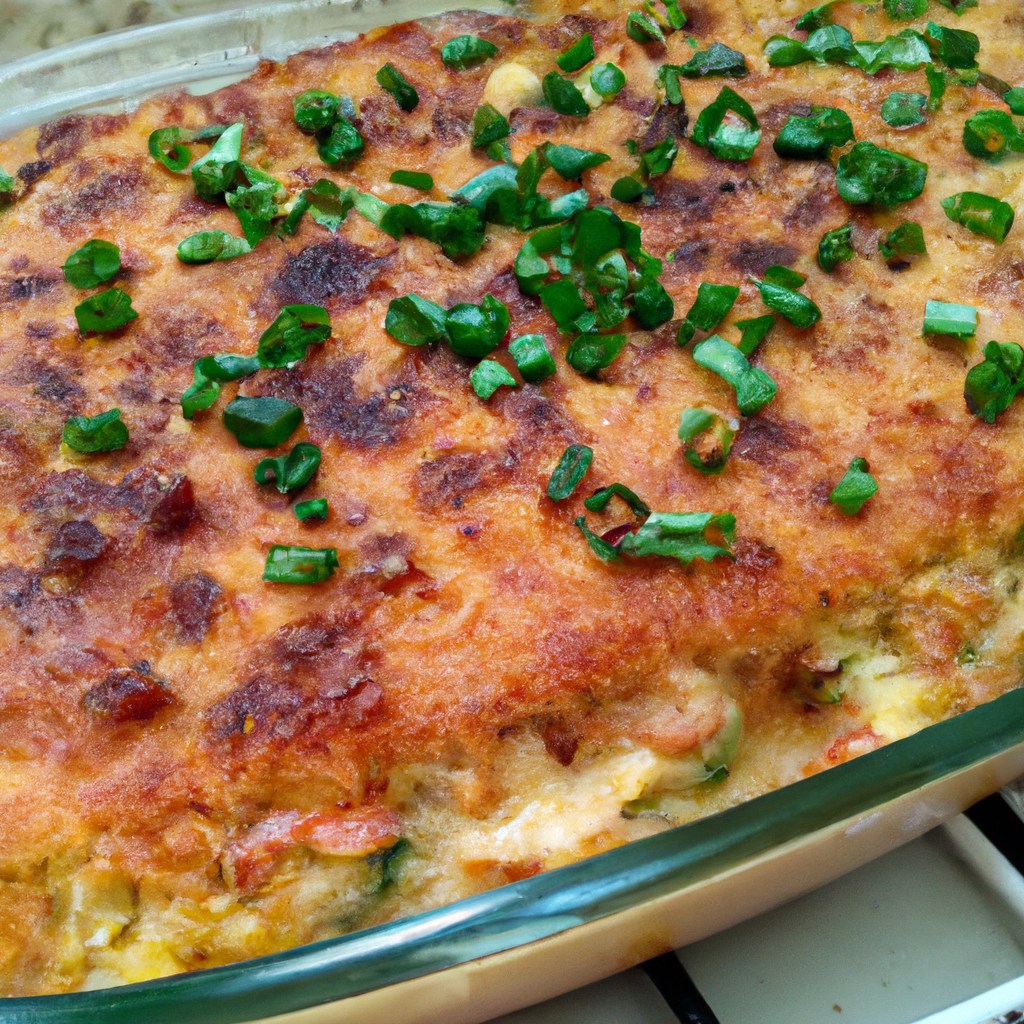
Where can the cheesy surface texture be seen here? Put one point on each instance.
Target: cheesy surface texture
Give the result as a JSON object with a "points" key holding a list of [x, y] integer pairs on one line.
{"points": [[197, 766]]}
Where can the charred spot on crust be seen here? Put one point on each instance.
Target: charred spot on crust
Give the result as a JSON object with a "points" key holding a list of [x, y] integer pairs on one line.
{"points": [[193, 604], [755, 257], [561, 740], [30, 173], [817, 201], [18, 289], [773, 118], [175, 507], [61, 138], [107, 193], [764, 442], [668, 120], [537, 120], [380, 124], [693, 201], [18, 588], [338, 270], [446, 482], [76, 541], [537, 419], [126, 695], [47, 381], [450, 127], [693, 255], [259, 705]]}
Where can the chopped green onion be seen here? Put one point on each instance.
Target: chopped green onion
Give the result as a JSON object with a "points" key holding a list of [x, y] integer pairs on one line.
{"points": [[668, 78], [681, 536], [166, 144], [956, 48], [673, 15], [628, 190], [988, 134], [563, 96], [598, 501], [982, 214], [854, 489], [532, 358], [92, 434], [315, 110], [413, 320], [342, 143], [571, 469], [870, 174], [905, 10], [466, 51], [489, 125], [783, 52], [709, 309], [905, 240], [476, 331], [812, 138], [799, 310], [658, 159], [642, 29], [412, 179], [286, 340], [652, 305], [606, 80], [754, 388], [831, 44], [255, 208], [207, 246], [292, 471], [95, 262], [724, 140], [226, 366], [314, 510], [717, 60], [261, 422], [694, 424], [299, 565], [591, 352], [569, 163], [563, 301], [753, 332], [791, 279], [816, 17], [7, 184], [605, 551], [200, 394], [903, 52], [215, 172], [579, 54], [958, 6], [391, 80], [904, 109], [835, 248], [950, 318], [936, 87], [105, 311], [1014, 99], [488, 376], [992, 385]]}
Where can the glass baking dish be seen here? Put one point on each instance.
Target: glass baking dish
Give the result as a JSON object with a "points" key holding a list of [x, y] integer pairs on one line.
{"points": [[532, 939]]}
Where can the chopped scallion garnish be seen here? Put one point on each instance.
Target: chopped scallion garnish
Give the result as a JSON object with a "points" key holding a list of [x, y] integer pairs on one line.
{"points": [[904, 109], [292, 471], [598, 501], [488, 376], [412, 179], [92, 434], [391, 80], [314, 510], [293, 564], [726, 140], [980, 213], [489, 125], [870, 174], [856, 487], [754, 388], [835, 247], [563, 96], [286, 340], [571, 469], [709, 309], [105, 311], [812, 138], [706, 438], [207, 246], [905, 240], [993, 384], [466, 51], [95, 262], [952, 318], [532, 358], [592, 352], [579, 54], [261, 422]]}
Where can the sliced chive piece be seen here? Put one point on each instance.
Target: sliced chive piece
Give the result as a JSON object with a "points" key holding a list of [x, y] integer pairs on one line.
{"points": [[476, 331], [489, 125], [870, 174], [286, 341], [294, 564], [835, 248], [166, 145], [812, 138], [391, 80], [215, 172], [291, 471], [717, 60], [563, 96], [783, 52], [579, 54], [312, 511], [816, 17], [681, 536], [592, 352], [709, 309], [466, 51], [958, 6], [754, 388], [1014, 99], [255, 209], [936, 87], [784, 276], [413, 320], [226, 366], [261, 422], [533, 360], [642, 29], [563, 301], [207, 246], [799, 310], [658, 159], [980, 213], [598, 501], [988, 134], [950, 318], [991, 385], [955, 47], [571, 469], [412, 179], [904, 109], [753, 332], [668, 79], [905, 240], [603, 549], [628, 190], [315, 110], [341, 143], [488, 376], [607, 80], [92, 434], [831, 44], [92, 264], [723, 140], [673, 15], [569, 163], [712, 434], [200, 394], [105, 311], [856, 487]]}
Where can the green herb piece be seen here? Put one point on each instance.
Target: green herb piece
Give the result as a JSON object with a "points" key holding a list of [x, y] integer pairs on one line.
{"points": [[754, 388], [683, 537], [391, 80], [598, 501], [261, 422], [412, 179], [215, 172], [315, 110], [92, 434], [413, 320], [606, 80], [658, 159], [905, 10], [988, 134], [936, 87], [466, 51], [295, 564], [668, 79], [831, 44], [7, 183], [854, 489], [673, 15], [712, 433], [327, 204], [105, 311], [569, 163], [799, 310], [571, 469], [835, 248], [1014, 99], [255, 208], [812, 138], [904, 109], [958, 6], [458, 229], [753, 332], [956, 48], [227, 366], [709, 309], [563, 96], [724, 140], [905, 240], [476, 331], [717, 60], [980, 213], [488, 376], [342, 143], [292, 471], [312, 511], [603, 549], [563, 301], [992, 385], [783, 52], [591, 352], [166, 145], [642, 29], [286, 340], [200, 394], [207, 246], [903, 52], [870, 174], [652, 305], [628, 190], [489, 125], [95, 262], [967, 655], [579, 54], [950, 318], [816, 17], [791, 279], [533, 360]]}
